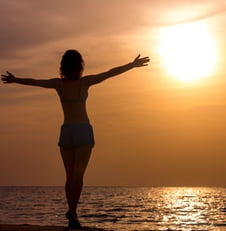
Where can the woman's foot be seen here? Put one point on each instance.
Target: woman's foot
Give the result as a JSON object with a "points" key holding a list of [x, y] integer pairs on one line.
{"points": [[73, 223]]}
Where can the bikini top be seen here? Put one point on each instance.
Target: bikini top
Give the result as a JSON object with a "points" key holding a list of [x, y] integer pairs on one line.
{"points": [[78, 99]]}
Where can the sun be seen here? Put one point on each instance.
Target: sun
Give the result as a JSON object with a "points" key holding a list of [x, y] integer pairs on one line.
{"points": [[188, 51]]}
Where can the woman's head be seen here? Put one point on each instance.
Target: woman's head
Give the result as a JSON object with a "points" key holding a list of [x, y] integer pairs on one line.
{"points": [[72, 65]]}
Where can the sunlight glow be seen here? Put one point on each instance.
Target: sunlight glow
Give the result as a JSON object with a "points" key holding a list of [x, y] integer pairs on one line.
{"points": [[188, 51]]}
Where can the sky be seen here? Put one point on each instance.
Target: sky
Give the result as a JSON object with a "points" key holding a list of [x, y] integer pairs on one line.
{"points": [[151, 129]]}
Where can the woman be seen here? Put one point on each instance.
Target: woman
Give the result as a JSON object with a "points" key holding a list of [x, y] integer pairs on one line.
{"points": [[76, 138]]}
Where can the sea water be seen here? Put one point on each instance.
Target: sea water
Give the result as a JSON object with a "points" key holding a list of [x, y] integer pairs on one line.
{"points": [[119, 208]]}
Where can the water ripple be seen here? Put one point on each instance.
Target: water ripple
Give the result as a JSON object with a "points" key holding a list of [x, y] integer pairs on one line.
{"points": [[119, 208]]}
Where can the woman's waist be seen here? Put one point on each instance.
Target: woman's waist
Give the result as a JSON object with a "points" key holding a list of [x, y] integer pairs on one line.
{"points": [[78, 126], [77, 118]]}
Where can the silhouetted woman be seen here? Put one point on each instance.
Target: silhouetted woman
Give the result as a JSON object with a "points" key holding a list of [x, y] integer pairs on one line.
{"points": [[76, 137]]}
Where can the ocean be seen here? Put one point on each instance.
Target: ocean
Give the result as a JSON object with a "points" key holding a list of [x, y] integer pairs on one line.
{"points": [[119, 208]]}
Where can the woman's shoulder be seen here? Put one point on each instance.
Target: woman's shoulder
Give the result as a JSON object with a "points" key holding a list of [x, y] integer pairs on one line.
{"points": [[55, 80]]}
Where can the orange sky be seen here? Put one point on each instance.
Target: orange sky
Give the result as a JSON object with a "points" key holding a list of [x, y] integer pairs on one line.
{"points": [[150, 129]]}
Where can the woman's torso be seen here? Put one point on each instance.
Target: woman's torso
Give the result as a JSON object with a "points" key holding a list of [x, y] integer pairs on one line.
{"points": [[73, 95]]}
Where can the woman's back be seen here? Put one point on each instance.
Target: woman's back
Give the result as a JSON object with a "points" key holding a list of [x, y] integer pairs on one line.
{"points": [[73, 95]]}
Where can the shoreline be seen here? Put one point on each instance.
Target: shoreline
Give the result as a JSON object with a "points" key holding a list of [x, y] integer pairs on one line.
{"points": [[27, 227]]}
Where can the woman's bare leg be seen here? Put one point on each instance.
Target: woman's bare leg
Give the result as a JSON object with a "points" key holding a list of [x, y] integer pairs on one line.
{"points": [[75, 162]]}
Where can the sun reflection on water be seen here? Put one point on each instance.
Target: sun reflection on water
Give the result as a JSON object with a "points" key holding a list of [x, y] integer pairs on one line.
{"points": [[188, 207]]}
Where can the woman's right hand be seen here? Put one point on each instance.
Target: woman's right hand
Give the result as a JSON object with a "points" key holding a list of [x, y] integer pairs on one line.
{"points": [[9, 78]]}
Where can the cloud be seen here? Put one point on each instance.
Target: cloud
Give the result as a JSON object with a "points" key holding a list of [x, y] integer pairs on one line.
{"points": [[31, 23], [27, 23], [34, 32]]}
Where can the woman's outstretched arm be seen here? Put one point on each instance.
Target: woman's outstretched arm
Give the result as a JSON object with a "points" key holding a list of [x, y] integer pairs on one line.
{"points": [[47, 83], [137, 62]]}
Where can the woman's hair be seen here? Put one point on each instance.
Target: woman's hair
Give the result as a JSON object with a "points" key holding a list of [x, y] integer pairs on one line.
{"points": [[71, 63]]}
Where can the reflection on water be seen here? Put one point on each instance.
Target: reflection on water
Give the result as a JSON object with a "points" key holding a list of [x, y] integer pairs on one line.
{"points": [[119, 208], [189, 207]]}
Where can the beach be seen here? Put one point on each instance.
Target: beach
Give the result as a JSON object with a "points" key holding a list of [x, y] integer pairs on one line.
{"points": [[25, 227]]}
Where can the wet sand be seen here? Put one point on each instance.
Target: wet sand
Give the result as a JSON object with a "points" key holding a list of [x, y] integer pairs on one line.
{"points": [[25, 227]]}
